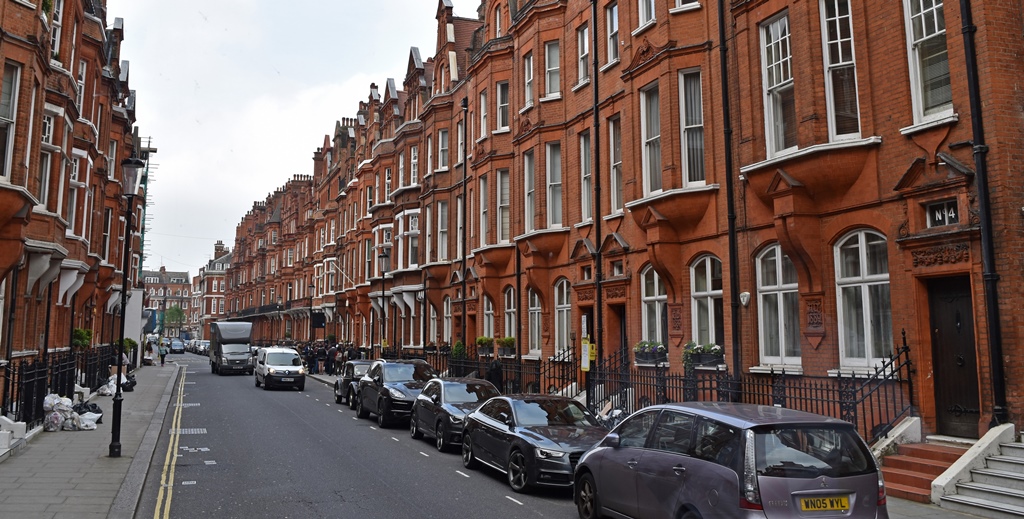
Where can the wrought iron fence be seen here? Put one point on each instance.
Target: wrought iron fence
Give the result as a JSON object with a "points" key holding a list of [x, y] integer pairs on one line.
{"points": [[93, 365], [62, 373], [24, 391]]}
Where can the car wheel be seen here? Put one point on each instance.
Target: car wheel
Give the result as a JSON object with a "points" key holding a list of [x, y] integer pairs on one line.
{"points": [[587, 504], [382, 414], [690, 514], [266, 386], [361, 411], [517, 471], [441, 437], [351, 399], [337, 397], [257, 379], [468, 459], [301, 387], [414, 431], [213, 369]]}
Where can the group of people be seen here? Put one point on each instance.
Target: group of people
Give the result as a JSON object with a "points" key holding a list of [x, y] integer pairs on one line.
{"points": [[321, 357]]}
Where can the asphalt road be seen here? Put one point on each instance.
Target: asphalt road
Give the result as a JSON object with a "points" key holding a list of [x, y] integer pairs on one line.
{"points": [[244, 452]]}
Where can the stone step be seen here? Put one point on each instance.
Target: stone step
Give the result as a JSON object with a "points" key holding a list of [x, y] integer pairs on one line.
{"points": [[909, 493], [943, 453], [993, 493], [1001, 478], [908, 478], [981, 507], [1007, 463], [915, 464]]}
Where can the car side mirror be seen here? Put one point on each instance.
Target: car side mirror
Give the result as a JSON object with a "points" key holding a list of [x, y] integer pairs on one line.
{"points": [[611, 440], [435, 398]]}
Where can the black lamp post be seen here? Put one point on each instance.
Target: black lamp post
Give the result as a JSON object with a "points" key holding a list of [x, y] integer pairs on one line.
{"points": [[130, 167], [273, 332], [465, 205], [385, 250], [312, 332]]}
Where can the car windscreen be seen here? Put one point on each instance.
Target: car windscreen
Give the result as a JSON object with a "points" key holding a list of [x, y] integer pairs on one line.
{"points": [[811, 451], [283, 359], [407, 372], [549, 411], [469, 392], [360, 369], [235, 348]]}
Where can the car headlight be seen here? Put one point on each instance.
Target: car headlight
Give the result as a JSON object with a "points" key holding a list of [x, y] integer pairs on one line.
{"points": [[302, 370], [456, 419], [224, 360], [271, 371], [396, 393], [549, 454]]}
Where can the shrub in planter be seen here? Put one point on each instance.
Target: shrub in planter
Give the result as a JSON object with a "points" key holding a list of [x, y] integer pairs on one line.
{"points": [[459, 350], [81, 338], [484, 345], [507, 345]]}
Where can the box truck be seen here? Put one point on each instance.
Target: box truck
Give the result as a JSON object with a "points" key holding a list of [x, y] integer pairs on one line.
{"points": [[230, 347]]}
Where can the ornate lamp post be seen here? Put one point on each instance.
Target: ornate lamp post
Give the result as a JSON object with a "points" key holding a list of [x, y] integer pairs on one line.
{"points": [[385, 251], [273, 332], [130, 167], [312, 332]]}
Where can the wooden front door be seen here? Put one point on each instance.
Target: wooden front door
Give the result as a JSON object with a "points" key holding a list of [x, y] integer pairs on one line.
{"points": [[954, 358]]}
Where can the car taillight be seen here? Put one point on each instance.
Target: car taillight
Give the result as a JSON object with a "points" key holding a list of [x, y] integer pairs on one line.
{"points": [[750, 496], [881, 489]]}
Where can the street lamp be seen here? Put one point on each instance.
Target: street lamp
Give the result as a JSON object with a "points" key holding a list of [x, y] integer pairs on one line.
{"points": [[273, 332], [130, 168], [385, 250], [465, 245], [312, 332]]}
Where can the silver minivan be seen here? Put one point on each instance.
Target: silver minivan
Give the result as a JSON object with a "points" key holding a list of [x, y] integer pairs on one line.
{"points": [[713, 459]]}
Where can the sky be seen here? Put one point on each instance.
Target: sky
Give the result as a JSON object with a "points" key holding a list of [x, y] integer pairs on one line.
{"points": [[236, 95]]}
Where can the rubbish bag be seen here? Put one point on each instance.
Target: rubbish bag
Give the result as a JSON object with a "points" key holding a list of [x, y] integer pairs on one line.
{"points": [[90, 417], [51, 400], [53, 421], [104, 390], [85, 424], [89, 408], [72, 424]]}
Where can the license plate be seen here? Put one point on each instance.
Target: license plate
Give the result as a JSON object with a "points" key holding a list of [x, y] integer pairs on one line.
{"points": [[824, 504], [287, 380]]}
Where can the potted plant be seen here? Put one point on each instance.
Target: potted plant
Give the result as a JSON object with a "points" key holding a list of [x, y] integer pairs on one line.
{"points": [[459, 350], [507, 346], [81, 338], [703, 355], [641, 350], [484, 345], [657, 351], [430, 347]]}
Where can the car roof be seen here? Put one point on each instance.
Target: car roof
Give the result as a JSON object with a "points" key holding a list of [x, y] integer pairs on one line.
{"points": [[535, 396], [461, 380], [359, 361], [751, 415], [404, 361], [278, 349]]}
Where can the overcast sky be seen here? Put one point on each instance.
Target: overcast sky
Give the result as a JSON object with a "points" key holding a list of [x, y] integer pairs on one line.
{"points": [[236, 95]]}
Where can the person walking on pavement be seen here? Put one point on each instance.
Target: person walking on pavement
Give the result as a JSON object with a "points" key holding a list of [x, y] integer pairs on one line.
{"points": [[321, 358], [163, 354], [329, 364], [310, 354]]}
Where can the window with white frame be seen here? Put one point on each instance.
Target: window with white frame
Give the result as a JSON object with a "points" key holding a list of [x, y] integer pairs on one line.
{"points": [[105, 242], [412, 240], [369, 198], [563, 316], [646, 11], [44, 181], [430, 154], [534, 321], [8, 114], [80, 95], [401, 169], [484, 206], [447, 320], [583, 55], [691, 119], [510, 312], [367, 260], [503, 119], [483, 113], [706, 295], [442, 149], [865, 312], [528, 80], [460, 131], [586, 179], [504, 225], [683, 3], [615, 160], [653, 310], [459, 225], [432, 324], [611, 16], [497, 27], [529, 185], [650, 121], [414, 165], [779, 98], [929, 60], [74, 186], [442, 231], [840, 69], [554, 178], [488, 317], [429, 242], [552, 74], [778, 306], [56, 24]]}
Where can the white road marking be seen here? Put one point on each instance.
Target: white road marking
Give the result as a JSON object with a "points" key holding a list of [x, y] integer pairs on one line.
{"points": [[461, 473], [340, 411], [373, 428], [424, 454], [514, 501], [355, 418], [393, 438], [210, 462]]}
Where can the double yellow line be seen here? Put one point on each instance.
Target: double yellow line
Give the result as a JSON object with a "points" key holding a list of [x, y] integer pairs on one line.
{"points": [[171, 459]]}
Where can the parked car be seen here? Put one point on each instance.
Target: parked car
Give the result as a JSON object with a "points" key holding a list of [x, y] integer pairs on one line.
{"points": [[533, 439], [279, 367], [712, 459], [389, 388], [177, 345], [441, 408], [202, 347], [347, 384]]}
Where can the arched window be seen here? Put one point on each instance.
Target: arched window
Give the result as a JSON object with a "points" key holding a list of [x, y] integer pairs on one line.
{"points": [[447, 320], [706, 292], [778, 308], [865, 313], [534, 301], [488, 317], [563, 313], [654, 297], [510, 312]]}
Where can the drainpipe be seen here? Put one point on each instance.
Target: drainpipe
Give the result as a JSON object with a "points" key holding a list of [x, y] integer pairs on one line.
{"points": [[988, 272], [12, 292], [595, 163], [46, 330], [734, 274]]}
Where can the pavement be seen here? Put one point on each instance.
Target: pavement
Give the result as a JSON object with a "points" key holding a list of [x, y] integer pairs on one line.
{"points": [[69, 474]]}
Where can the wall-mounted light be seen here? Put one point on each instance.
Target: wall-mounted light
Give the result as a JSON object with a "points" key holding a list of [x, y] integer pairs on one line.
{"points": [[744, 298]]}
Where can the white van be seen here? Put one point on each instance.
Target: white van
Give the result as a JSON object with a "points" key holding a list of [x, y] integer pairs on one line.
{"points": [[276, 366]]}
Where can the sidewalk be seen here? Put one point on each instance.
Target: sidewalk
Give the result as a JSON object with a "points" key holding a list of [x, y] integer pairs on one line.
{"points": [[69, 473]]}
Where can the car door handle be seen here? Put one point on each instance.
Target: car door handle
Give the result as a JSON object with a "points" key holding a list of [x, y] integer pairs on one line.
{"points": [[631, 463], [679, 470]]}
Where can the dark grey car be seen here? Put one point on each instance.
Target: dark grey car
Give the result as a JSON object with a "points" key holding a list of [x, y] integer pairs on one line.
{"points": [[703, 460], [441, 408]]}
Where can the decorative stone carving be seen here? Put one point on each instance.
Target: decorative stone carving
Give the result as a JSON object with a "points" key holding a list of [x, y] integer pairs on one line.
{"points": [[616, 292], [675, 320], [586, 294], [942, 255], [815, 319]]}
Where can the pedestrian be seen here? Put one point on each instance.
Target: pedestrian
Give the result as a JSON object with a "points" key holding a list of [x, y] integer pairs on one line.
{"points": [[163, 354], [495, 374], [321, 358], [310, 354], [351, 352], [329, 365]]}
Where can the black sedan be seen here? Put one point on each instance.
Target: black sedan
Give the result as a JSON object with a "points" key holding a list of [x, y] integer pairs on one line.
{"points": [[177, 345], [533, 439], [347, 384], [389, 388], [441, 408]]}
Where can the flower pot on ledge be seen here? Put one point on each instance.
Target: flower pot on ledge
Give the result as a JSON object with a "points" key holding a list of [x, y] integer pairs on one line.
{"points": [[707, 359]]}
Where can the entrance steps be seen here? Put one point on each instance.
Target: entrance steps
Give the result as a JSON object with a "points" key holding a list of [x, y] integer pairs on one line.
{"points": [[996, 487], [909, 473]]}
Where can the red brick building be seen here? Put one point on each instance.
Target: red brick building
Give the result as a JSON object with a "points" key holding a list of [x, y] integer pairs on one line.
{"points": [[208, 290], [804, 197]]}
